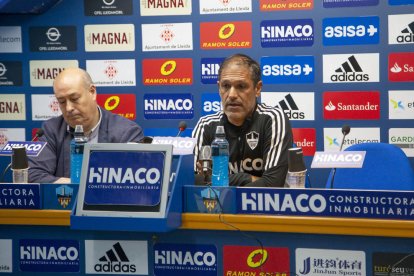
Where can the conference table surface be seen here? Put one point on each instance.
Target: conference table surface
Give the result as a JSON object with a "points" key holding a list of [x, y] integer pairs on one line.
{"points": [[259, 223]]}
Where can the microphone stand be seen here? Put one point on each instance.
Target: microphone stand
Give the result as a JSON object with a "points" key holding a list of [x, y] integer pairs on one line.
{"points": [[340, 149]]}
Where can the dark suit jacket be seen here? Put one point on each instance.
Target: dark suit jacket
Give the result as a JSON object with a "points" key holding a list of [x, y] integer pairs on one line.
{"points": [[54, 160]]}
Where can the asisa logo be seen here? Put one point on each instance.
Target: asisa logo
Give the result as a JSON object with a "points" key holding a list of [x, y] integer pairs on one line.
{"points": [[286, 33], [211, 103], [288, 69], [351, 30]]}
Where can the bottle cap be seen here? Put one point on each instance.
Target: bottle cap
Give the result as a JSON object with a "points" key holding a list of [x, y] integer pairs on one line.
{"points": [[295, 160], [78, 129], [220, 130], [19, 159]]}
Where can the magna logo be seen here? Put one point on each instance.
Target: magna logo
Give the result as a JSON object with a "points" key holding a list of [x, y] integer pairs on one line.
{"points": [[351, 30], [352, 68], [286, 33], [287, 69]]}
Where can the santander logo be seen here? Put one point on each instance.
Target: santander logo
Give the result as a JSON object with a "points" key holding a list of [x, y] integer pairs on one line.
{"points": [[356, 105]]}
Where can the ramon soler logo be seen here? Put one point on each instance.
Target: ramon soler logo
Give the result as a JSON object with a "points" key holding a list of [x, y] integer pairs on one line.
{"points": [[257, 258], [226, 31], [168, 67], [112, 102]]}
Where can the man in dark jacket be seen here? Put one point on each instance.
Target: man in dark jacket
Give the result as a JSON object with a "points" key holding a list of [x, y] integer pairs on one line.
{"points": [[259, 136], [76, 94]]}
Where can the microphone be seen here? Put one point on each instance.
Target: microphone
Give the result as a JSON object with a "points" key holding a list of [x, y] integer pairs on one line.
{"points": [[20, 165], [206, 163], [345, 131], [181, 127], [39, 133]]}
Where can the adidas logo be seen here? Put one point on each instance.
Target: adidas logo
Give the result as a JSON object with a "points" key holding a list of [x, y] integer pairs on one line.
{"points": [[350, 70], [291, 108], [407, 34], [115, 260]]}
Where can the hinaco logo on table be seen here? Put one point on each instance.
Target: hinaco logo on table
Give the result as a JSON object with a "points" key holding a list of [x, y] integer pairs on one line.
{"points": [[43, 72], [165, 7], [344, 68], [355, 105], [401, 29], [209, 70], [167, 37], [286, 33], [185, 259], [110, 37], [116, 257], [225, 6], [351, 30], [287, 69], [121, 104], [225, 35], [178, 71], [275, 5], [401, 66]]}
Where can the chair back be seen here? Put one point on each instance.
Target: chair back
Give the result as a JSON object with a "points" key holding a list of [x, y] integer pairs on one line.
{"points": [[386, 167]]}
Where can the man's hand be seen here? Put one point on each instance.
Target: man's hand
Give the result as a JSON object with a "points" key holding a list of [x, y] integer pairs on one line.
{"points": [[62, 180]]}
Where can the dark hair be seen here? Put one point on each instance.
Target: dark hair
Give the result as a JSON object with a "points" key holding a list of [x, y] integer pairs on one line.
{"points": [[244, 60]]}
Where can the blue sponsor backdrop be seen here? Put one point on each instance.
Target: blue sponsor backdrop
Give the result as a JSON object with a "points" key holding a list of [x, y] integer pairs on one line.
{"points": [[205, 61]]}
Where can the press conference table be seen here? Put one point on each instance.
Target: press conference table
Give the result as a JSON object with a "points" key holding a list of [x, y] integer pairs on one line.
{"points": [[257, 223]]}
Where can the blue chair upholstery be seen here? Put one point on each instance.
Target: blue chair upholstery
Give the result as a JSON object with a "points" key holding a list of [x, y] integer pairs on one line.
{"points": [[386, 167]]}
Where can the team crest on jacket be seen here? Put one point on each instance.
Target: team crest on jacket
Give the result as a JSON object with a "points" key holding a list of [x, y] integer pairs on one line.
{"points": [[252, 139]]}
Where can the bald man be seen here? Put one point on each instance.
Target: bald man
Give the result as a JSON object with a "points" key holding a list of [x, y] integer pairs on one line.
{"points": [[76, 94]]}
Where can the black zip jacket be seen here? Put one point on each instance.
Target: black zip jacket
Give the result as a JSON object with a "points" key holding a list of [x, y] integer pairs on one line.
{"points": [[259, 147]]}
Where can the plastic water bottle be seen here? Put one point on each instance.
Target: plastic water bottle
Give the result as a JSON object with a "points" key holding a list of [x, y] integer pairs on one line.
{"points": [[76, 154], [220, 157]]}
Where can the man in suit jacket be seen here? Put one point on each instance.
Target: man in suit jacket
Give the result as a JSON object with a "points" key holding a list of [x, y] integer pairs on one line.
{"points": [[76, 94]]}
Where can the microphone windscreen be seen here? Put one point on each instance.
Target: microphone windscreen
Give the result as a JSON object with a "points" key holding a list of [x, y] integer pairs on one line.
{"points": [[146, 140], [182, 125], [295, 160], [346, 129], [19, 159]]}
